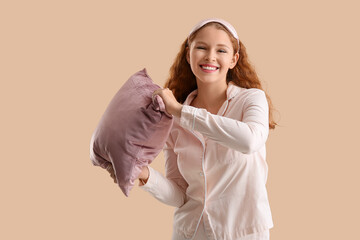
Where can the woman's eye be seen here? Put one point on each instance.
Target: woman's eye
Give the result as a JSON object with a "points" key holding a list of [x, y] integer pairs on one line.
{"points": [[200, 47], [222, 51]]}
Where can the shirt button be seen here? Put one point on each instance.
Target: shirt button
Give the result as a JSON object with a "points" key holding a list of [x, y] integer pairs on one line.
{"points": [[201, 174]]}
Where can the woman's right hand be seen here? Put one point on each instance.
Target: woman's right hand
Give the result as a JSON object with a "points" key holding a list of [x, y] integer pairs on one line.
{"points": [[110, 169], [144, 175]]}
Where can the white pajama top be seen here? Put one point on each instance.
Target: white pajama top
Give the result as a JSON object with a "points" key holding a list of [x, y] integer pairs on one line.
{"points": [[216, 170]]}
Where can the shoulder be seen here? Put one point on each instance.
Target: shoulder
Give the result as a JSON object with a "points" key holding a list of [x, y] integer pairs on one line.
{"points": [[251, 92], [248, 99], [240, 94]]}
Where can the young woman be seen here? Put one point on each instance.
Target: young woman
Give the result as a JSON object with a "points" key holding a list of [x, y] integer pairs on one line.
{"points": [[216, 167]]}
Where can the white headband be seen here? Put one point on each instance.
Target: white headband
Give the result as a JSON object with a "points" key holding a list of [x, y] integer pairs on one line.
{"points": [[227, 25]]}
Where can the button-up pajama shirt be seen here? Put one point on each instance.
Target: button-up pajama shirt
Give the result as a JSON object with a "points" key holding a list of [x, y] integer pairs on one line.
{"points": [[215, 168]]}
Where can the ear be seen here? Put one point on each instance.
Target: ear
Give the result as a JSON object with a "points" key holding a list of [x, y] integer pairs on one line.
{"points": [[188, 55], [234, 60]]}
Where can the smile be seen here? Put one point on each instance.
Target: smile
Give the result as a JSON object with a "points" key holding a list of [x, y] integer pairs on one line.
{"points": [[209, 68]]}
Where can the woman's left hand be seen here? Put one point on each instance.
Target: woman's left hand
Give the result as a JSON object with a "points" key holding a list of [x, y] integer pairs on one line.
{"points": [[172, 106]]}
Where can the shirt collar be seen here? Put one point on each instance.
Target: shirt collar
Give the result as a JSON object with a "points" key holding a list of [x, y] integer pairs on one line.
{"points": [[231, 91]]}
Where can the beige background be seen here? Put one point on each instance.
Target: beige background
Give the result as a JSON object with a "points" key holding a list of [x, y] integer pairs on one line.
{"points": [[61, 62]]}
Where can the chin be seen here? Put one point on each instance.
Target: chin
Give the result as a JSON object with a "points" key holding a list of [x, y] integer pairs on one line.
{"points": [[209, 80]]}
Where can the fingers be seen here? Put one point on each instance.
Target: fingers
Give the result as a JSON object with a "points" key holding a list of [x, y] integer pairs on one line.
{"points": [[160, 91], [110, 169], [112, 175]]}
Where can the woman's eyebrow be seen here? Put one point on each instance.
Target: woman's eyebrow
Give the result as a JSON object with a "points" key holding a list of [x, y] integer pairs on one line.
{"points": [[223, 45], [220, 45]]}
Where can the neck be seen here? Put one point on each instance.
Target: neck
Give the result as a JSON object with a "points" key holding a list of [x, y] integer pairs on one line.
{"points": [[211, 96]]}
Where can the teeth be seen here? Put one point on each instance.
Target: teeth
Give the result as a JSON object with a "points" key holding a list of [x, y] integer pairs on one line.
{"points": [[208, 68]]}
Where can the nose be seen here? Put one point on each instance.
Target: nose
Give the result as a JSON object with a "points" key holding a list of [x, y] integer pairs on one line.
{"points": [[210, 56]]}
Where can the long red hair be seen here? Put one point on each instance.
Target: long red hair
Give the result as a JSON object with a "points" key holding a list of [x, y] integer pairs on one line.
{"points": [[182, 81]]}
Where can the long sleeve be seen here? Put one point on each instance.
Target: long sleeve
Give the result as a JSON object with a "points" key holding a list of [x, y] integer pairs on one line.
{"points": [[246, 136], [170, 189]]}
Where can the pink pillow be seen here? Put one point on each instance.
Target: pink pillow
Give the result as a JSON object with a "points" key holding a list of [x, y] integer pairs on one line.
{"points": [[132, 130]]}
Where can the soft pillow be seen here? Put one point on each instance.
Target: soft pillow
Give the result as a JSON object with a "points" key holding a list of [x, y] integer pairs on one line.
{"points": [[132, 130]]}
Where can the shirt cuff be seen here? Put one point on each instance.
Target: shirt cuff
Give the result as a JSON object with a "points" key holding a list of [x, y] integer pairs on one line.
{"points": [[188, 116]]}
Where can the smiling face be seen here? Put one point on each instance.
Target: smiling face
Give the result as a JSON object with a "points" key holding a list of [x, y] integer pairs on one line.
{"points": [[211, 55]]}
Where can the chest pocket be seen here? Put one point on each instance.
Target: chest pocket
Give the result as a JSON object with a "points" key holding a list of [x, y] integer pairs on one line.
{"points": [[228, 156]]}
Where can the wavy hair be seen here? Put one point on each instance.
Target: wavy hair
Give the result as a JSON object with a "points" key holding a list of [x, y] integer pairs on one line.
{"points": [[182, 80]]}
